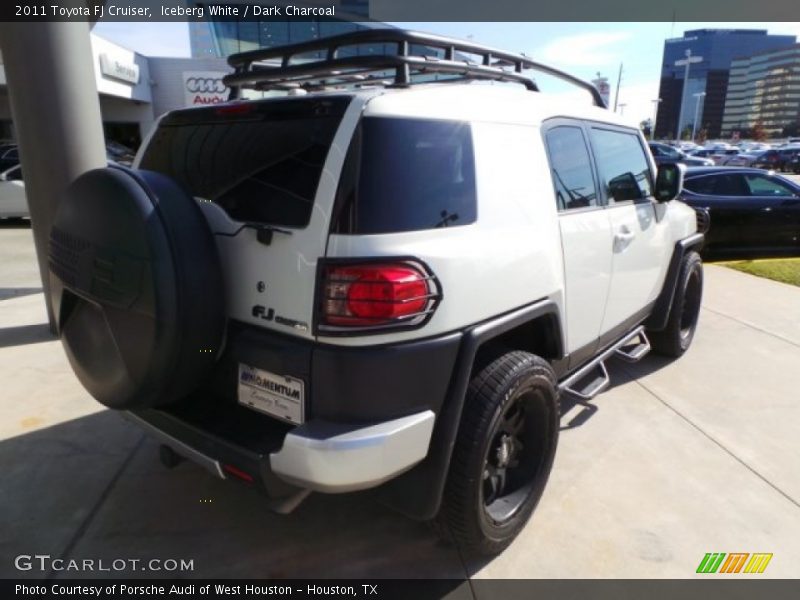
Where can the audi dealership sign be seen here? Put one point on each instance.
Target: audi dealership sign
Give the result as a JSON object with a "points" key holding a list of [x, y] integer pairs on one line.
{"points": [[204, 87]]}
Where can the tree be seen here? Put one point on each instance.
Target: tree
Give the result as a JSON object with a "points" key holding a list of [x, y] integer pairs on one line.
{"points": [[686, 134], [647, 128], [758, 132], [702, 135]]}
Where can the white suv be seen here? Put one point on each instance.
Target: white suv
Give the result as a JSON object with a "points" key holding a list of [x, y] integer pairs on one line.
{"points": [[383, 280]]}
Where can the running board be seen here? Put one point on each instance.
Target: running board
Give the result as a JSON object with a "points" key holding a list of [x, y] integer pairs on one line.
{"points": [[634, 351], [592, 386]]}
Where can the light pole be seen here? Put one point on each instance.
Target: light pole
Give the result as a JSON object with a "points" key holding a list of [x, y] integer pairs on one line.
{"points": [[685, 62], [655, 102], [698, 95], [622, 106]]}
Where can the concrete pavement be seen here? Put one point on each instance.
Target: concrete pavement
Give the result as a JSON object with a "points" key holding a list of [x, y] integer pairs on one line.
{"points": [[676, 460]]}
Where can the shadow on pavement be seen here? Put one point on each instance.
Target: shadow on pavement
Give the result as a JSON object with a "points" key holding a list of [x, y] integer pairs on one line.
{"points": [[25, 334], [6, 293], [93, 488]]}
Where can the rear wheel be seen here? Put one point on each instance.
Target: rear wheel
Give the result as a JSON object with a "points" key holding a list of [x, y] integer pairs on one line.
{"points": [[677, 336], [503, 454]]}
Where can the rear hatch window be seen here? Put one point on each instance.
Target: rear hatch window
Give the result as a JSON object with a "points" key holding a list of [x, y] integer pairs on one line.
{"points": [[406, 175], [260, 161]]}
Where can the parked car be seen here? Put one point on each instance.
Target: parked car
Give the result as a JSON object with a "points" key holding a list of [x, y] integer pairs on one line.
{"points": [[13, 204], [753, 213], [785, 157], [794, 165], [378, 287], [9, 157], [119, 153], [721, 157], [744, 160], [664, 154]]}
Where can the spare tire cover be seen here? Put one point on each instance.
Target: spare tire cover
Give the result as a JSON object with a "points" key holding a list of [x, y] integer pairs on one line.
{"points": [[136, 287]]}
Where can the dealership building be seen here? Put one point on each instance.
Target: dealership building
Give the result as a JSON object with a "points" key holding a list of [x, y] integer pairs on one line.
{"points": [[134, 89]]}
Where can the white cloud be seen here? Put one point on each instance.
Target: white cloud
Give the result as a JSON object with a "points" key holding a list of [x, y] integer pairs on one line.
{"points": [[638, 99], [584, 49]]}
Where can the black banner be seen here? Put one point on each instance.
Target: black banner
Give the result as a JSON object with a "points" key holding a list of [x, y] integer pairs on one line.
{"points": [[398, 10], [408, 589]]}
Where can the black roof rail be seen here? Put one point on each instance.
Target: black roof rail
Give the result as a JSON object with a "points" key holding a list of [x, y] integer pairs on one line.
{"points": [[252, 68]]}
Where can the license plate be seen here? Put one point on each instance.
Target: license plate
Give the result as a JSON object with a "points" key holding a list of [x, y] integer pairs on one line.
{"points": [[275, 395]]}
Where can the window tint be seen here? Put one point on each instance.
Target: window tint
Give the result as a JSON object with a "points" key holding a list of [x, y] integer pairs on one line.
{"points": [[263, 166], [661, 150], [571, 168], [761, 185], [622, 163], [718, 185], [407, 175]]}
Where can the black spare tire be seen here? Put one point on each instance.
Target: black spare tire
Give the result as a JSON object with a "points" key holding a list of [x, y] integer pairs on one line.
{"points": [[137, 289]]}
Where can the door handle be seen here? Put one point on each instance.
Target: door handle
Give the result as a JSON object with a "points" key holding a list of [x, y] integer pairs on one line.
{"points": [[624, 235], [622, 238]]}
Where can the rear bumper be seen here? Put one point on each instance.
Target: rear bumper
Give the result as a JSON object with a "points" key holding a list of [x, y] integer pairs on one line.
{"points": [[319, 456], [332, 458]]}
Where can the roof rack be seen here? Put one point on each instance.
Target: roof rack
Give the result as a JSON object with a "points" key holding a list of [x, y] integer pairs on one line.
{"points": [[463, 60]]}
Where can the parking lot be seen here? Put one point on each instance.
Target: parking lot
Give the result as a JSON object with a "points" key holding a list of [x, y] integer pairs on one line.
{"points": [[674, 461]]}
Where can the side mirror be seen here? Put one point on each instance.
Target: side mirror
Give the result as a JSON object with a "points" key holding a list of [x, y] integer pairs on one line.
{"points": [[669, 182]]}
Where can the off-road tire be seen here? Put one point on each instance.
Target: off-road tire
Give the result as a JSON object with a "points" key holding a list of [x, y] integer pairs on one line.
{"points": [[677, 336], [497, 390]]}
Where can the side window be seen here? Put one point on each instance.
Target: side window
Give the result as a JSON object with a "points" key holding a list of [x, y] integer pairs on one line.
{"points": [[570, 167], [624, 170], [407, 175], [718, 185], [765, 186], [700, 185]]}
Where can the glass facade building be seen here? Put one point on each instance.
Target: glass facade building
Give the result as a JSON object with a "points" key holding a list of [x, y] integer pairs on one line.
{"points": [[764, 89], [225, 37], [717, 48]]}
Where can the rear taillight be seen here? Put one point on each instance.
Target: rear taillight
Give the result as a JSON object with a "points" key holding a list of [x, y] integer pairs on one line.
{"points": [[376, 295]]}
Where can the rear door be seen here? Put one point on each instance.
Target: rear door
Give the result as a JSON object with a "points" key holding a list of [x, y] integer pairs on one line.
{"points": [[640, 243], [585, 236], [265, 175]]}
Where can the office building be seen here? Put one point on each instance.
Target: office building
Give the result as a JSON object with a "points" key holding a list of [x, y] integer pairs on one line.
{"points": [[763, 89], [717, 48], [224, 37]]}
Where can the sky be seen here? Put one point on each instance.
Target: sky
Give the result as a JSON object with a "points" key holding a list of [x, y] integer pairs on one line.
{"points": [[582, 49]]}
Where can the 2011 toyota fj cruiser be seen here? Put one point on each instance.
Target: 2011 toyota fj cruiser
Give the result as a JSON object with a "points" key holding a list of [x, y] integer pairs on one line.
{"points": [[383, 279]]}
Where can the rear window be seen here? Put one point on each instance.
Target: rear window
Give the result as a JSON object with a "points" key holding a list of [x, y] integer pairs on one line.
{"points": [[406, 175], [261, 163]]}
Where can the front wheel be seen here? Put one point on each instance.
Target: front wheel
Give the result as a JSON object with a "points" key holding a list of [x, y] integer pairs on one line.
{"points": [[677, 336], [503, 454]]}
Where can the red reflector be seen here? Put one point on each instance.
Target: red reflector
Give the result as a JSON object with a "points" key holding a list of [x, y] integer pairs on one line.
{"points": [[233, 109], [374, 294], [238, 473]]}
